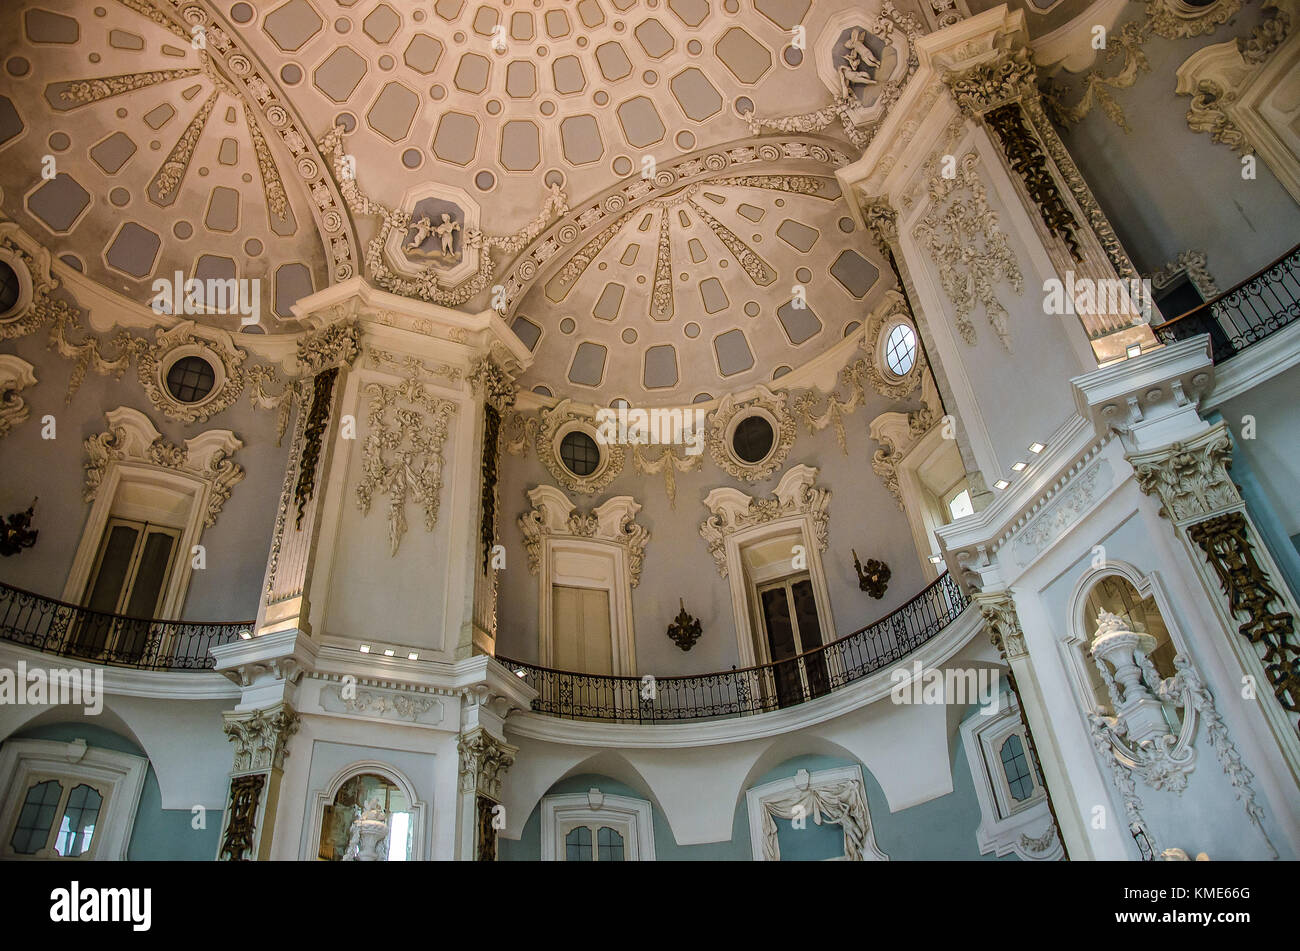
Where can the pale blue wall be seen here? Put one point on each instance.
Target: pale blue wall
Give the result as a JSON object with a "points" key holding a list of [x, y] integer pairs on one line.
{"points": [[943, 828], [158, 833]]}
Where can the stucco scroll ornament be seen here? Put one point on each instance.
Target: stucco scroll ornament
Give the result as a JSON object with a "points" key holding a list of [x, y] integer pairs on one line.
{"points": [[613, 521], [795, 495], [495, 384], [784, 430], [837, 406], [960, 231], [1178, 19], [1194, 265], [131, 437], [518, 432], [887, 385], [15, 376], [999, 612], [555, 421], [402, 455]]}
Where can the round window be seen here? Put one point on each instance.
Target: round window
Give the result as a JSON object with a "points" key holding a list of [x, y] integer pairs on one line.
{"points": [[900, 350], [579, 453], [9, 288], [190, 379], [753, 439]]}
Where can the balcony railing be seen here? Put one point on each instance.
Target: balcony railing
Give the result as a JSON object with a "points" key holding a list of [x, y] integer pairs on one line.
{"points": [[68, 630], [750, 690], [1258, 306]]}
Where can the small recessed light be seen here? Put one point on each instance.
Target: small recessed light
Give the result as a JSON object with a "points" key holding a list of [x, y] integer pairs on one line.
{"points": [[1019, 466], [388, 653], [413, 656], [521, 672], [1036, 447], [245, 635], [936, 559], [365, 648], [1001, 484], [1134, 350]]}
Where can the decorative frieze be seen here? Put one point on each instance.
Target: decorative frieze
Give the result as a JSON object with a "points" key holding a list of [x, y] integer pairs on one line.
{"points": [[794, 496], [402, 455]]}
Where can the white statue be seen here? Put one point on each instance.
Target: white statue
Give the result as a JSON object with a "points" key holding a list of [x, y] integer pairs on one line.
{"points": [[446, 232], [368, 839], [856, 47], [852, 74], [422, 228]]}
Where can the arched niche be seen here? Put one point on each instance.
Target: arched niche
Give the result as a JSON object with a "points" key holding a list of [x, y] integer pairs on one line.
{"points": [[1122, 589], [345, 814]]}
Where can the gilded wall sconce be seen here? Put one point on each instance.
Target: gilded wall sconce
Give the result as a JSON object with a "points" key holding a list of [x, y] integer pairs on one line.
{"points": [[874, 578], [16, 533], [685, 630]]}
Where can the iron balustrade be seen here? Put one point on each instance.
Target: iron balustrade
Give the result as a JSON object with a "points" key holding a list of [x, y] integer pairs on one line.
{"points": [[1258, 306], [750, 690], [56, 627]]}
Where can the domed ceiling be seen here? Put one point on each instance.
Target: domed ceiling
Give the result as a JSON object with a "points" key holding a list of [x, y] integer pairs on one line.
{"points": [[432, 147]]}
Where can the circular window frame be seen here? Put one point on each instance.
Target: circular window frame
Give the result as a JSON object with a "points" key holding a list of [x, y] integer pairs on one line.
{"points": [[154, 364], [607, 469], [875, 340], [750, 412], [21, 306], [882, 356], [175, 357]]}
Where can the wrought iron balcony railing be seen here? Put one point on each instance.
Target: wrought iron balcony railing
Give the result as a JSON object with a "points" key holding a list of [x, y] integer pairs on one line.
{"points": [[750, 690], [68, 630], [1260, 305]]}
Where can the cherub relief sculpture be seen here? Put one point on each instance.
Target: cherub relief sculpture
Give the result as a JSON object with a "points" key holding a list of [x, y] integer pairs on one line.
{"points": [[853, 71]]}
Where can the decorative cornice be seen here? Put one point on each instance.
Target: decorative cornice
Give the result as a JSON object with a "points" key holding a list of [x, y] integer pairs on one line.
{"points": [[553, 515], [131, 437], [794, 496]]}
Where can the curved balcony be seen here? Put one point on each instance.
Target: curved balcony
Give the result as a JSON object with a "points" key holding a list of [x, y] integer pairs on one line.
{"points": [[749, 690], [1259, 306], [56, 627]]}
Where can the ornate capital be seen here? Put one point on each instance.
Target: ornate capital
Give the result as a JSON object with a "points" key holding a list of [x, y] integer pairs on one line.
{"points": [[1190, 477], [881, 219], [988, 85], [999, 612], [333, 346], [261, 737], [495, 384], [484, 762]]}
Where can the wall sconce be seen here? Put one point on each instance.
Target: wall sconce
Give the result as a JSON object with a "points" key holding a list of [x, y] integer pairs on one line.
{"points": [[17, 533], [685, 630], [874, 578]]}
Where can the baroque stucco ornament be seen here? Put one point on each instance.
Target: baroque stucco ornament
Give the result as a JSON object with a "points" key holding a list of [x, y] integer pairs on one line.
{"points": [[402, 455], [960, 231], [1190, 477], [183, 340], [261, 737], [132, 438], [773, 407], [16, 375], [484, 762], [553, 515], [553, 426], [795, 496]]}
